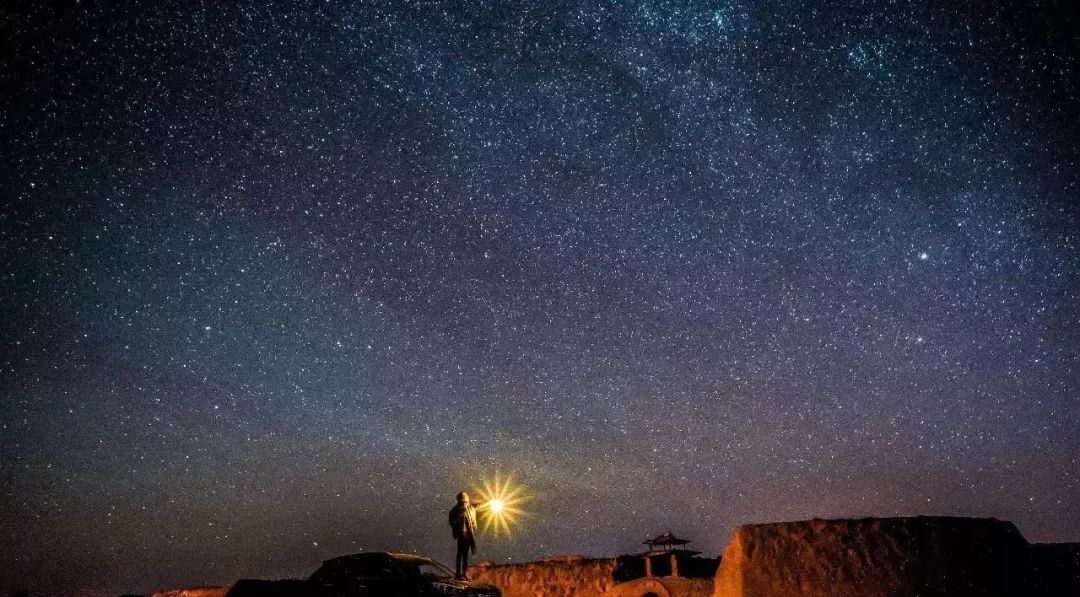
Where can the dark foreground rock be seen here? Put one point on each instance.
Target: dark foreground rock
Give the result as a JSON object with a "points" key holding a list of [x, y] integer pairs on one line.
{"points": [[369, 574], [1055, 569]]}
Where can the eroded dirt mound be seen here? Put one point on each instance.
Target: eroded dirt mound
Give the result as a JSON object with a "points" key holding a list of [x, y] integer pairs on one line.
{"points": [[196, 592], [883, 557], [564, 576], [1055, 569]]}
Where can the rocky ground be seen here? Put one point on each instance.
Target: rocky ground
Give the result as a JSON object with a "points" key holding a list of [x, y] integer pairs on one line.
{"points": [[872, 557]]}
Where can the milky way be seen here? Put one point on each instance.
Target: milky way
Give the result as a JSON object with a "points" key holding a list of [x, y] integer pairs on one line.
{"points": [[279, 279]]}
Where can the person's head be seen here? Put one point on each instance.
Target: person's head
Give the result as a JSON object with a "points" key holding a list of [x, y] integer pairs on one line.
{"points": [[463, 498]]}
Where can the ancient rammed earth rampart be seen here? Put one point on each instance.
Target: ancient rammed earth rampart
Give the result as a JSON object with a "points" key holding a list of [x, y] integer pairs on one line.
{"points": [[883, 557], [567, 576], [195, 592], [874, 557]]}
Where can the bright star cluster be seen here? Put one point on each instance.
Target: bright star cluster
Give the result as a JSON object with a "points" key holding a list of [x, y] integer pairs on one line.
{"points": [[278, 279]]}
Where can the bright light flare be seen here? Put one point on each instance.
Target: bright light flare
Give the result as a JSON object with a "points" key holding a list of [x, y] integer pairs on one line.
{"points": [[500, 506]]}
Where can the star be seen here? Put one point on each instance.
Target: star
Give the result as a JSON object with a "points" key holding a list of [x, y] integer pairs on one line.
{"points": [[637, 254]]}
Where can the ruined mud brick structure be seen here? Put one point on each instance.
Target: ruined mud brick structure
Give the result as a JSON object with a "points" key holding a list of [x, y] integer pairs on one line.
{"points": [[920, 556], [872, 557], [662, 571]]}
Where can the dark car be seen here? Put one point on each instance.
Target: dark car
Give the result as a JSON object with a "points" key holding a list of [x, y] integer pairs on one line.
{"points": [[374, 574]]}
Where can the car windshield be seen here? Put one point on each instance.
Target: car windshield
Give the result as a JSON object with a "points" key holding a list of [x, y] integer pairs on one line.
{"points": [[433, 570]]}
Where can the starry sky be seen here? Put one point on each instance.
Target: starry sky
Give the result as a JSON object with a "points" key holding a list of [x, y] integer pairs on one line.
{"points": [[277, 279]]}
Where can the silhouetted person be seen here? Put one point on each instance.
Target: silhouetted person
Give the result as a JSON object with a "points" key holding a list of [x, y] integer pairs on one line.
{"points": [[463, 525]]}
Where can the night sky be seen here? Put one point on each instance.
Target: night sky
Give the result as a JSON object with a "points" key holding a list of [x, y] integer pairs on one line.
{"points": [[278, 279]]}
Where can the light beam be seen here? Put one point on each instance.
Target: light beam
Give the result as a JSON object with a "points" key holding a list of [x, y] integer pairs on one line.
{"points": [[501, 503]]}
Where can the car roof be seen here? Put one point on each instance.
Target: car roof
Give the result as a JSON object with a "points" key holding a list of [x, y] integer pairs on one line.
{"points": [[371, 555], [408, 557]]}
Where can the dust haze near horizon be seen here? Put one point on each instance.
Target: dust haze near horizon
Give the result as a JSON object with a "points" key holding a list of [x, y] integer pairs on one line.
{"points": [[278, 279]]}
